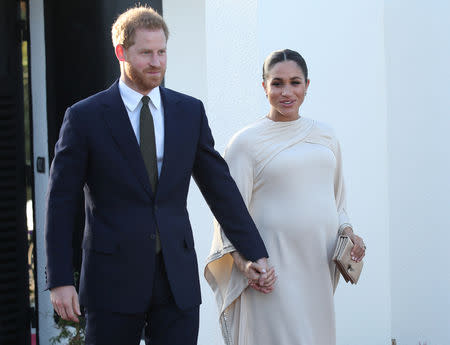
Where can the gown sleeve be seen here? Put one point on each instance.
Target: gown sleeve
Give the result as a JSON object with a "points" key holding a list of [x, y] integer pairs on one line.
{"points": [[341, 204], [339, 191], [226, 281], [240, 163]]}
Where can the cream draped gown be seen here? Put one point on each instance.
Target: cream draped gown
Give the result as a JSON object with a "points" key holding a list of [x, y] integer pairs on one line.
{"points": [[290, 177]]}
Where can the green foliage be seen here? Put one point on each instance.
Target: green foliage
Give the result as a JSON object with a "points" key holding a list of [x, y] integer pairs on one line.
{"points": [[70, 331]]}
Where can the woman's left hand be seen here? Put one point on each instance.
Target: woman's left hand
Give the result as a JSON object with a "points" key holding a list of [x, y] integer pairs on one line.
{"points": [[359, 248]]}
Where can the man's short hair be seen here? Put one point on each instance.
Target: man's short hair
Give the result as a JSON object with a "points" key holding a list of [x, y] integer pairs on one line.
{"points": [[139, 17]]}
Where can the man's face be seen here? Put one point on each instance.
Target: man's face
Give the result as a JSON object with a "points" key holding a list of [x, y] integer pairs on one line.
{"points": [[145, 61]]}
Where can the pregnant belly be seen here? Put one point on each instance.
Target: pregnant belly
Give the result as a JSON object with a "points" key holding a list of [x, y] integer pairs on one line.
{"points": [[305, 219]]}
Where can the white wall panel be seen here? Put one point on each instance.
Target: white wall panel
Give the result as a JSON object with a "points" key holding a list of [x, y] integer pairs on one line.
{"points": [[418, 70], [40, 149], [187, 72]]}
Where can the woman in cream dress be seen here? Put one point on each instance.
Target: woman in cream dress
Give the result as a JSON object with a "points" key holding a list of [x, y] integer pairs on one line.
{"points": [[289, 171]]}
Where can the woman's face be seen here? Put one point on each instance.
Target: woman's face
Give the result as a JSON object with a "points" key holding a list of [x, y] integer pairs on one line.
{"points": [[285, 87]]}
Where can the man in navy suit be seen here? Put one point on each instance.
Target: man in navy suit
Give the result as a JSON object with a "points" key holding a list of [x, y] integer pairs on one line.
{"points": [[133, 149]]}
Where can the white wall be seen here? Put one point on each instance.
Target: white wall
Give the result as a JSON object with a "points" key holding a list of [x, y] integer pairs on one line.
{"points": [[219, 39], [418, 70], [343, 45], [186, 72], [232, 82], [40, 148]]}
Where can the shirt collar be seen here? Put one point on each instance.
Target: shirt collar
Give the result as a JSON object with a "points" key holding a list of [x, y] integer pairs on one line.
{"points": [[131, 98]]}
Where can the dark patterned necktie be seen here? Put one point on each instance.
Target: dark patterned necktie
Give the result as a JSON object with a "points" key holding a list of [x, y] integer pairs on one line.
{"points": [[148, 151], [147, 142]]}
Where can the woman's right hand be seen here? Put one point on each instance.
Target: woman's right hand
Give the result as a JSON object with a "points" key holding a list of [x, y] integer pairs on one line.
{"points": [[259, 276], [268, 285]]}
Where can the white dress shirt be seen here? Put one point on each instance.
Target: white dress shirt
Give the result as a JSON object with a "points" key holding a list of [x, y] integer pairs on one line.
{"points": [[133, 104]]}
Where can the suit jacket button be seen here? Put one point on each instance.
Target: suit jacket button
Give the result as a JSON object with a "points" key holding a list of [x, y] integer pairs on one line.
{"points": [[152, 236]]}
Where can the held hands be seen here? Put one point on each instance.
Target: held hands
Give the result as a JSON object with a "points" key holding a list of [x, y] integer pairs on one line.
{"points": [[267, 285], [359, 248], [260, 276], [65, 302]]}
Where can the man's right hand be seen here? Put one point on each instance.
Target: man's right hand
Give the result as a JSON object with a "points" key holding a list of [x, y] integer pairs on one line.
{"points": [[65, 302]]}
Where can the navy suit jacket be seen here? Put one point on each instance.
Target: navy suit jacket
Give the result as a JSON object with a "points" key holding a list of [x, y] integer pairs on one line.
{"points": [[97, 151]]}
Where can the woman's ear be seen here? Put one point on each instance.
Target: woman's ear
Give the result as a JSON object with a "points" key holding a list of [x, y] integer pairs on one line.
{"points": [[307, 84], [264, 87]]}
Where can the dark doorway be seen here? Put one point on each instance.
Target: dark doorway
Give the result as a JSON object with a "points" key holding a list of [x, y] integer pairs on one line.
{"points": [[79, 52], [14, 283]]}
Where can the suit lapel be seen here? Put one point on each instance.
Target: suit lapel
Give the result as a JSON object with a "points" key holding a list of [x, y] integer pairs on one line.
{"points": [[116, 117], [171, 110]]}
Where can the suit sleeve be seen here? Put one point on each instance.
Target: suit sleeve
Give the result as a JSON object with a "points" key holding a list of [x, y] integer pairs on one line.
{"points": [[67, 178], [212, 176]]}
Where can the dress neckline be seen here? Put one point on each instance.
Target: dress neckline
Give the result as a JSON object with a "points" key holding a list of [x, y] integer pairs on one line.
{"points": [[290, 121], [300, 123]]}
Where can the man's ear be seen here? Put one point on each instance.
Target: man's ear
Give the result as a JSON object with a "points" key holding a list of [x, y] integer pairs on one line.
{"points": [[120, 52]]}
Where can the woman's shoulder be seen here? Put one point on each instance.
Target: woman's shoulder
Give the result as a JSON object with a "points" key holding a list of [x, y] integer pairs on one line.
{"points": [[323, 133], [323, 129], [244, 137]]}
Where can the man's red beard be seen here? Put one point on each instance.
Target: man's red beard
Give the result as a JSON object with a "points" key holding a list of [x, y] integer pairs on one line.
{"points": [[143, 81]]}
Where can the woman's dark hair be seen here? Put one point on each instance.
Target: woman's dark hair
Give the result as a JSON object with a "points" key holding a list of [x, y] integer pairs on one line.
{"points": [[284, 55]]}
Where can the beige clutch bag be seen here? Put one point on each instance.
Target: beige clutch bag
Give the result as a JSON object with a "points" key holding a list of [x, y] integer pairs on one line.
{"points": [[350, 270]]}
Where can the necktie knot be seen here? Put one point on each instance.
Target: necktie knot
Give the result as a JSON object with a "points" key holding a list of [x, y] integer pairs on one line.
{"points": [[145, 100]]}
